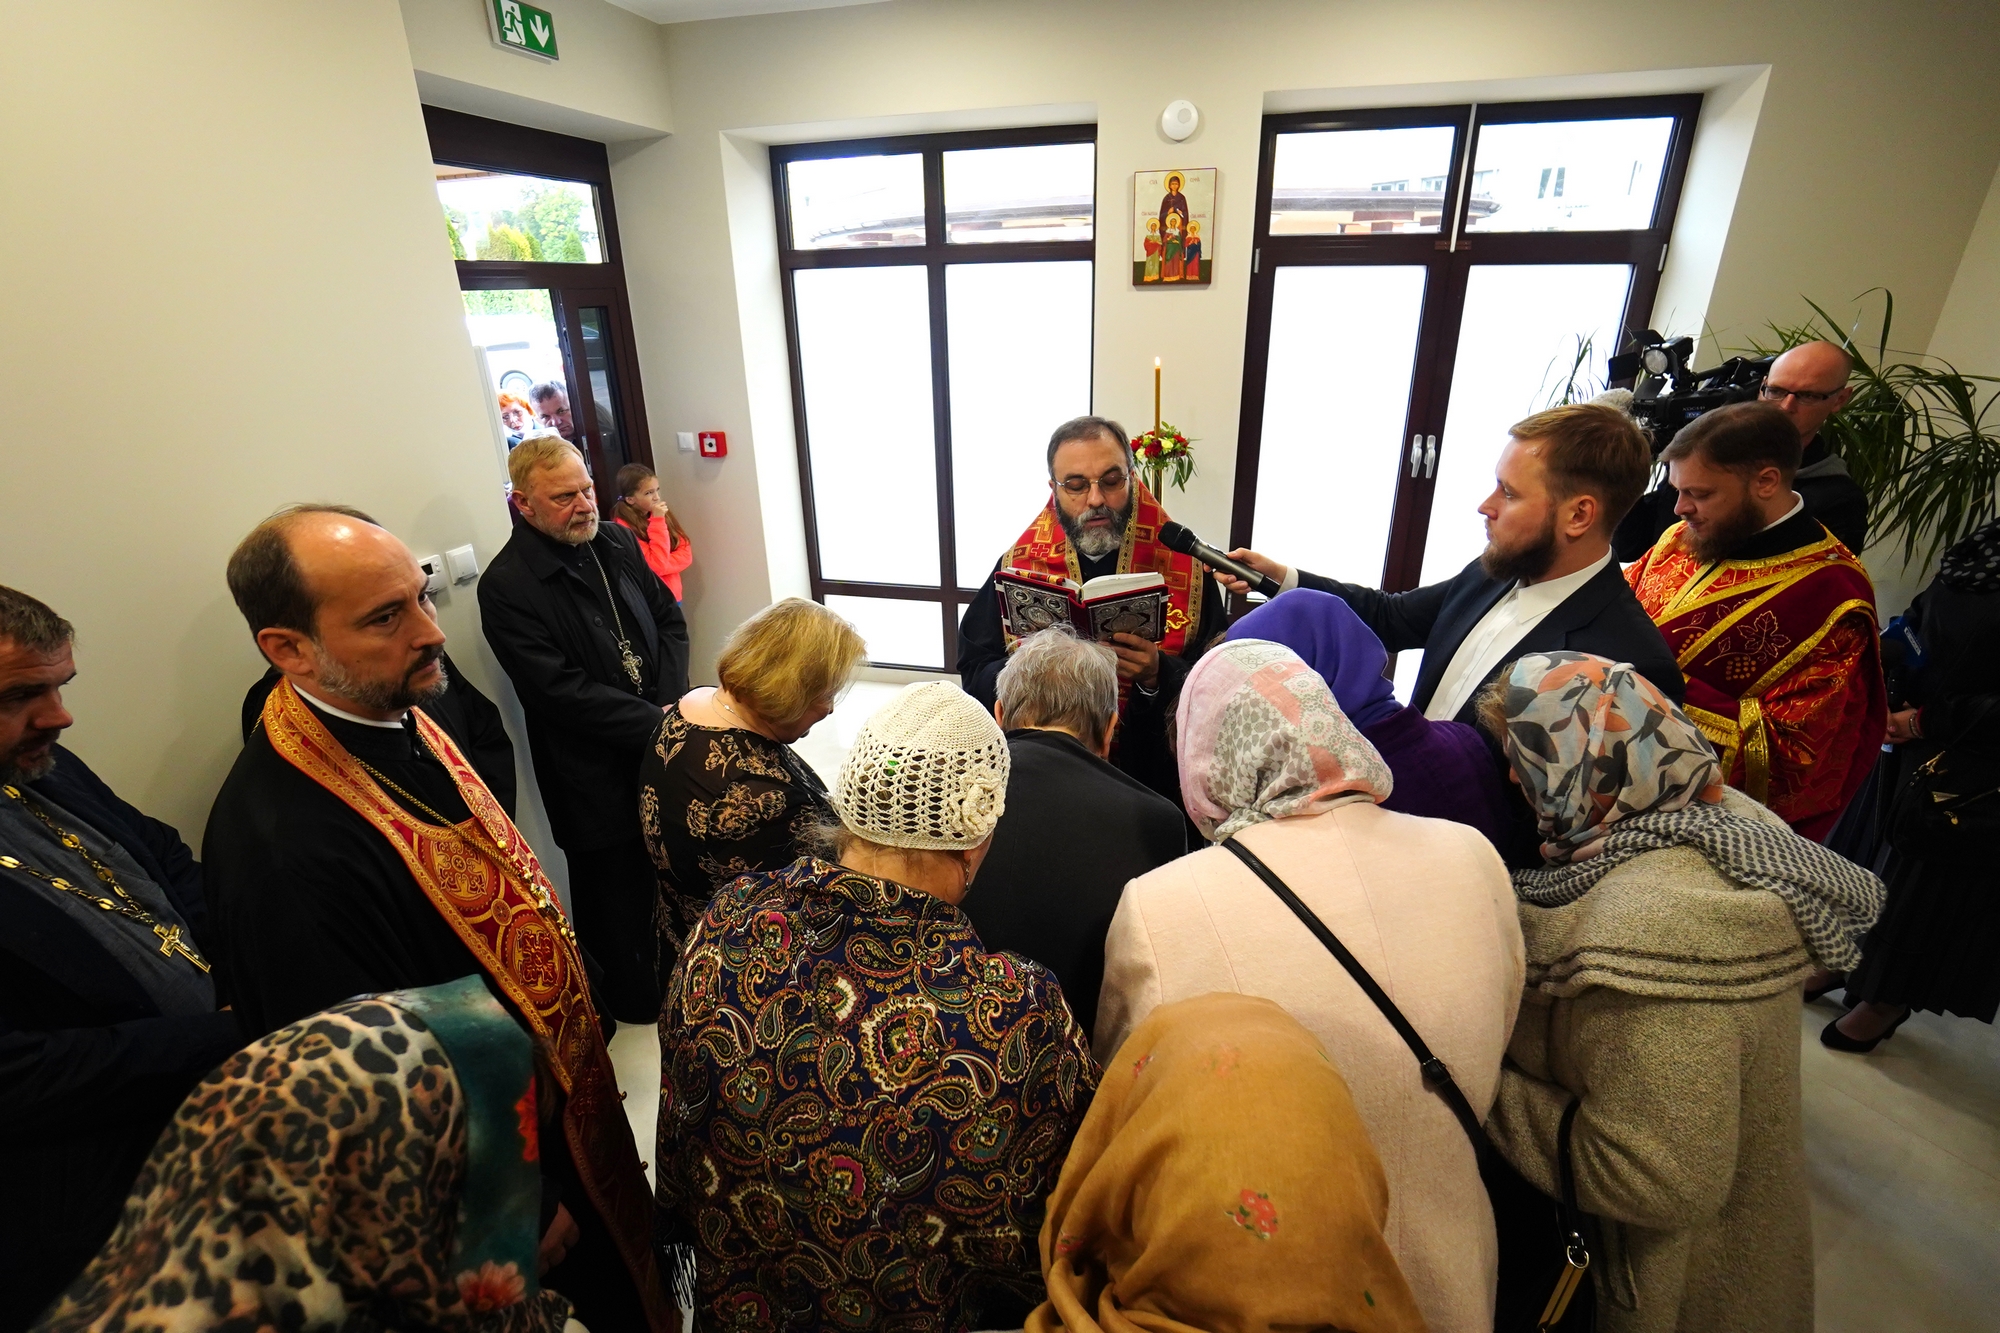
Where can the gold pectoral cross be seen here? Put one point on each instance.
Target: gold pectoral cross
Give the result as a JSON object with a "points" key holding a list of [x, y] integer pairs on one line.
{"points": [[171, 943]]}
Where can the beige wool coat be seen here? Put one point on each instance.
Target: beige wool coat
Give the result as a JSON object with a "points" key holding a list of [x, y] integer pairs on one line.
{"points": [[1667, 999], [1425, 905]]}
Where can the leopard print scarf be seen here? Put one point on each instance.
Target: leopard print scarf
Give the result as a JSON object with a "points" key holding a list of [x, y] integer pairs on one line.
{"points": [[313, 1183]]}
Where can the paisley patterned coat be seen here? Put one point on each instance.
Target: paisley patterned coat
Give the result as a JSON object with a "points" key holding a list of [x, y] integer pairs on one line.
{"points": [[861, 1108]]}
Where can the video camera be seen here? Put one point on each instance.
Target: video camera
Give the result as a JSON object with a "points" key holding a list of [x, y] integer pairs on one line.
{"points": [[1674, 395]]}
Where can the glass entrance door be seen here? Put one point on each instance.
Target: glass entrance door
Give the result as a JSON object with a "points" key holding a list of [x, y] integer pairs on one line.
{"points": [[531, 224]]}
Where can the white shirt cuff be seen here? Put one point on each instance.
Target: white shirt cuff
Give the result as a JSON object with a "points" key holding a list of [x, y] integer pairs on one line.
{"points": [[1290, 581]]}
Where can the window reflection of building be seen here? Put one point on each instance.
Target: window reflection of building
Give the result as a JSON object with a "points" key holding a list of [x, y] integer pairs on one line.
{"points": [[1362, 210]]}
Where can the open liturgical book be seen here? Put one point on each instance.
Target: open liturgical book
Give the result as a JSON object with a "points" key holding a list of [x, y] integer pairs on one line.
{"points": [[1102, 607]]}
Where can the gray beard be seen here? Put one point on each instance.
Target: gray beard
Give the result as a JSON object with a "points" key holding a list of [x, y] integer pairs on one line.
{"points": [[381, 695], [16, 775], [1099, 542]]}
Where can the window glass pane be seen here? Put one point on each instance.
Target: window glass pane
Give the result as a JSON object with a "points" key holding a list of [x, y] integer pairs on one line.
{"points": [[597, 363], [1517, 341], [1361, 182], [517, 331], [491, 215], [864, 345], [849, 203], [1568, 175], [898, 633], [1343, 349], [1020, 366], [1045, 192]]}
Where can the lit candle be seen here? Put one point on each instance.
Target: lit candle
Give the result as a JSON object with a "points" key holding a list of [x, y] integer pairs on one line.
{"points": [[1156, 393]]}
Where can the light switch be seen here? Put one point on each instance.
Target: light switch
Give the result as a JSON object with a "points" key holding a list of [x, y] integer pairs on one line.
{"points": [[685, 438], [464, 565], [433, 567]]}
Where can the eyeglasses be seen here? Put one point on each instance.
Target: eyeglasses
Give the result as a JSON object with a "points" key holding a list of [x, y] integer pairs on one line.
{"points": [[1772, 393], [1110, 483]]}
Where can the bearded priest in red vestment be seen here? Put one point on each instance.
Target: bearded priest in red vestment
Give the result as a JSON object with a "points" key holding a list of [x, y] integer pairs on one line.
{"points": [[1771, 619], [1101, 519]]}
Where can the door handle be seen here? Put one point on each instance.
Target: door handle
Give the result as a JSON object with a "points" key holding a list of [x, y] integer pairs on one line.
{"points": [[1430, 457], [1416, 454]]}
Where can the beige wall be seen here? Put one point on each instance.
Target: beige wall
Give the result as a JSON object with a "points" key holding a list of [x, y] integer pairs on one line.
{"points": [[1877, 129], [609, 85], [1968, 337], [226, 288]]}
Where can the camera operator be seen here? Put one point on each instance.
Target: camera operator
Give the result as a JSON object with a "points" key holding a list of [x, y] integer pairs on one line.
{"points": [[1808, 384]]}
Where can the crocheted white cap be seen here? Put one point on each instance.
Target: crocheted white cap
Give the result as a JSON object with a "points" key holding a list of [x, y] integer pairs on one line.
{"points": [[929, 770]]}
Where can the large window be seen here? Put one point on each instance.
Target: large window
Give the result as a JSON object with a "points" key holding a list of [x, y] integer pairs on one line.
{"points": [[1422, 279], [531, 225], [938, 297]]}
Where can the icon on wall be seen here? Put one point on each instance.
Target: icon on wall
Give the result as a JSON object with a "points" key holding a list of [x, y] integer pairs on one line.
{"points": [[1173, 227], [714, 444]]}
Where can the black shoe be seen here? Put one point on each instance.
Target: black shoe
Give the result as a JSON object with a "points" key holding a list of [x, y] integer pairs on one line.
{"points": [[1834, 1039], [1834, 985]]}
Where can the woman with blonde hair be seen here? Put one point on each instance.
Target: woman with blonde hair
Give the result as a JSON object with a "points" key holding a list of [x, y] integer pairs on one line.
{"points": [[721, 791]]}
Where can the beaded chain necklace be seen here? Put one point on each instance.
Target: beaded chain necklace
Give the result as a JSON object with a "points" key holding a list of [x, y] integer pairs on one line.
{"points": [[122, 904]]}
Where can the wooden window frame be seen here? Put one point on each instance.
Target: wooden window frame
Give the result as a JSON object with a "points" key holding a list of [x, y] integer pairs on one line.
{"points": [[934, 255], [462, 140], [1448, 256]]}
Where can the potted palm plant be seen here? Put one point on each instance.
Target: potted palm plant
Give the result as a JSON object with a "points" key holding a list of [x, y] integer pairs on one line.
{"points": [[1915, 436]]}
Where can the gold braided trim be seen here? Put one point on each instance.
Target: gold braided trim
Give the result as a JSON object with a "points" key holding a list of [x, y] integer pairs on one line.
{"points": [[1725, 733], [1771, 586], [1756, 750], [1800, 653]]}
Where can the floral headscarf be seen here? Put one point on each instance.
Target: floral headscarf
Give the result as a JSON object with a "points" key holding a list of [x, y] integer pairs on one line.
{"points": [[1615, 770], [1222, 1180], [1260, 737], [1594, 742]]}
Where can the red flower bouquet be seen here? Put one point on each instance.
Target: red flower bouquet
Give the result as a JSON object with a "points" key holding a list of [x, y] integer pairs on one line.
{"points": [[1160, 449]]}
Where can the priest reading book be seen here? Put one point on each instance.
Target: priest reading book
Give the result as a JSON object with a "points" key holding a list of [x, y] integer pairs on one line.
{"points": [[1093, 559], [1107, 605]]}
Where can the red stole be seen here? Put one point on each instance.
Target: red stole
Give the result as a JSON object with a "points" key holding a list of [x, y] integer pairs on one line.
{"points": [[486, 883], [1044, 549], [1783, 665]]}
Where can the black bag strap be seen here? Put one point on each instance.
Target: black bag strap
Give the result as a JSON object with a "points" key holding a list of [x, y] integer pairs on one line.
{"points": [[1576, 1248], [1436, 1077]]}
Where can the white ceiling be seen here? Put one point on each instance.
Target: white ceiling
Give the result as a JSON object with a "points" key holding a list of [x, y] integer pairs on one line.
{"points": [[680, 11]]}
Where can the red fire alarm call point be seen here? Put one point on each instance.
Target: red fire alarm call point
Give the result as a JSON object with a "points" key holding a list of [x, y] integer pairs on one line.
{"points": [[714, 444]]}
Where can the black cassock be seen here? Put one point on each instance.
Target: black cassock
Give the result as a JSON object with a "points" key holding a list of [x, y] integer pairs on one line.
{"points": [[91, 1066], [308, 904]]}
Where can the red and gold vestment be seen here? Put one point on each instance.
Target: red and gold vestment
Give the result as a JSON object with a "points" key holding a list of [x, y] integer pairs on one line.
{"points": [[488, 885], [1044, 549], [1783, 666]]}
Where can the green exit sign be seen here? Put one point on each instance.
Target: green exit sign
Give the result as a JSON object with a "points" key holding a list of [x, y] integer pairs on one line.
{"points": [[523, 28]]}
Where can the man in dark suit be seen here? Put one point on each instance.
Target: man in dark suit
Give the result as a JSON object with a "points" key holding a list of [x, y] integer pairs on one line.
{"points": [[1546, 579], [596, 647], [107, 1017], [1075, 829]]}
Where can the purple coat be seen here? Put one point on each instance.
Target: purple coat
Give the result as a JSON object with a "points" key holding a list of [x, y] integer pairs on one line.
{"points": [[1443, 770]]}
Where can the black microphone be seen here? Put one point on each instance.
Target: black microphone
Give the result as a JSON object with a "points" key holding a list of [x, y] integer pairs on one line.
{"points": [[1177, 538]]}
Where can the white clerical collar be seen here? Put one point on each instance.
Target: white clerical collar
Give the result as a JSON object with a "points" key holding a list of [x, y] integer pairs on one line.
{"points": [[1798, 504], [346, 716]]}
